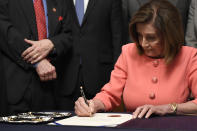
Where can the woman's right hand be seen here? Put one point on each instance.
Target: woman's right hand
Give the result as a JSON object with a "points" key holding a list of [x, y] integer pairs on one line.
{"points": [[82, 109]]}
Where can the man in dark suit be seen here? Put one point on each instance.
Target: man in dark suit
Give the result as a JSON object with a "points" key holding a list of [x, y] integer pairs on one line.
{"points": [[32, 34], [131, 6], [97, 44]]}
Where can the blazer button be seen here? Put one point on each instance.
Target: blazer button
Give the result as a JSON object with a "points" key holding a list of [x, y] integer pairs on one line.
{"points": [[152, 96], [154, 80]]}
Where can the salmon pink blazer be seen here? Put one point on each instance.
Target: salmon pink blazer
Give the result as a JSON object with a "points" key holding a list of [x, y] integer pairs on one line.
{"points": [[143, 80]]}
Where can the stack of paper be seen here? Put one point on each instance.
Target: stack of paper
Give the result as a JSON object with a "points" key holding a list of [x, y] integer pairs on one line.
{"points": [[98, 119]]}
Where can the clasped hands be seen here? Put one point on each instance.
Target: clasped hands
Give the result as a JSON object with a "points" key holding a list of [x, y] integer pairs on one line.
{"points": [[38, 51], [36, 54], [145, 111]]}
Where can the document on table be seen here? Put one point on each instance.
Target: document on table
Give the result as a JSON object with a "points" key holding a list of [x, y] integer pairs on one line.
{"points": [[98, 119]]}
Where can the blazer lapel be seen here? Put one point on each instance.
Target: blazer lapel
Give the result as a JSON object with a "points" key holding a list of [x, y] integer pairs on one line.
{"points": [[90, 6], [28, 10], [53, 14]]}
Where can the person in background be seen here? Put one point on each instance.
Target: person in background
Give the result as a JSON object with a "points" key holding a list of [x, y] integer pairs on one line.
{"points": [[156, 73], [130, 7], [32, 34], [97, 40], [191, 34]]}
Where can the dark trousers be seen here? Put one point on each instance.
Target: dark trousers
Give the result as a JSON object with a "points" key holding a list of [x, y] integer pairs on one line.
{"points": [[68, 102], [39, 96], [3, 98]]}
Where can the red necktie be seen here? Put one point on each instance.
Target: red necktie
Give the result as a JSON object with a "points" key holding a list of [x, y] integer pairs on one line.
{"points": [[40, 19]]}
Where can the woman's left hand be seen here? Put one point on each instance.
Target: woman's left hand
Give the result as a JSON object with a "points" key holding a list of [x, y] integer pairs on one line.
{"points": [[147, 110]]}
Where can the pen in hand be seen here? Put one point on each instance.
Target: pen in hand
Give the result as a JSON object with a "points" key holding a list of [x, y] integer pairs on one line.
{"points": [[83, 95]]}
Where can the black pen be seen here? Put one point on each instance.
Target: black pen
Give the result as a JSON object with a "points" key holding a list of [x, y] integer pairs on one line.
{"points": [[83, 95]]}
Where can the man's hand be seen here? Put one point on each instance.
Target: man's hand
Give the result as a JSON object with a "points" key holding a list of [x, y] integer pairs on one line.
{"points": [[46, 70], [38, 51], [147, 110]]}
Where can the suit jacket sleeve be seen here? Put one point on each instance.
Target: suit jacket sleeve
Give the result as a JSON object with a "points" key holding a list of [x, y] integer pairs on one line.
{"points": [[191, 36], [12, 41], [117, 27], [62, 39]]}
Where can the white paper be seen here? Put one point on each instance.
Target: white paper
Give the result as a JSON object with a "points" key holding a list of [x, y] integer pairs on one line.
{"points": [[98, 119]]}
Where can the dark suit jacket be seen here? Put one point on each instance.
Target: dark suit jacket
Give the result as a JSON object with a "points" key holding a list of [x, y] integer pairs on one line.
{"points": [[17, 20], [98, 42], [131, 6], [3, 93]]}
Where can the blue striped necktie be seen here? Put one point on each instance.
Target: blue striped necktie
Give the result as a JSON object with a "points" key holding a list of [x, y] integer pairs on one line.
{"points": [[79, 6]]}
